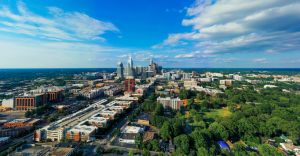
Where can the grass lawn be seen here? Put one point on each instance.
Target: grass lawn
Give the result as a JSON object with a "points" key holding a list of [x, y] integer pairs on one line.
{"points": [[224, 112]]}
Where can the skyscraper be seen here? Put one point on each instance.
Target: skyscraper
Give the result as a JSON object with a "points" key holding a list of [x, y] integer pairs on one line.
{"points": [[130, 70], [120, 70]]}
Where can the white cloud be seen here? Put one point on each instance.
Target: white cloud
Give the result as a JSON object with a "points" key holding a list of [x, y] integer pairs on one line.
{"points": [[29, 53], [58, 25], [195, 54], [235, 26], [260, 60]]}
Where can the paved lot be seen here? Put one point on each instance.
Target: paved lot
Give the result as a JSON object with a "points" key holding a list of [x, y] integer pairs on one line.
{"points": [[12, 115]]}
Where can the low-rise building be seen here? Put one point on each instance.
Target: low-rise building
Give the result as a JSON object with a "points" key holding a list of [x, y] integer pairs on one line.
{"points": [[98, 121], [290, 147], [128, 138], [270, 86], [144, 119], [8, 103], [127, 98], [190, 84], [238, 78], [109, 114], [227, 82], [91, 93], [81, 132], [168, 102], [21, 123], [148, 136], [29, 101]]}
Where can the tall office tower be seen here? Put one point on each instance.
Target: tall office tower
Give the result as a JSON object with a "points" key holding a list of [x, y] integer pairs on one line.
{"points": [[130, 70], [151, 61], [153, 67], [120, 70], [129, 85]]}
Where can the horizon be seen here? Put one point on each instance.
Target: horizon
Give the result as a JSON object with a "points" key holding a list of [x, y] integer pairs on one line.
{"points": [[176, 34]]}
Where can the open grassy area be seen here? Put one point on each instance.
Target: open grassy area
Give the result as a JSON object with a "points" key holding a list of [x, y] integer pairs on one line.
{"points": [[224, 112]]}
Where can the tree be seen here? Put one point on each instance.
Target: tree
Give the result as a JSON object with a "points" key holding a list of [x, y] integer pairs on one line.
{"points": [[146, 152], [184, 94], [182, 144], [202, 152], [155, 145], [28, 114], [159, 109], [218, 131], [165, 131], [266, 150], [139, 141], [201, 138], [130, 153], [176, 127]]}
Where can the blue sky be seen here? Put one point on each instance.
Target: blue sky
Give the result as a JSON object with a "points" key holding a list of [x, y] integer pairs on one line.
{"points": [[175, 33]]}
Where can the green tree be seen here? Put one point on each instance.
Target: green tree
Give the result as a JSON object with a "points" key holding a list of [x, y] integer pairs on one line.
{"points": [[165, 131], [267, 150], [202, 152], [139, 141], [182, 144], [176, 127], [146, 152], [28, 114], [159, 109], [218, 131], [130, 153], [155, 144], [201, 138]]}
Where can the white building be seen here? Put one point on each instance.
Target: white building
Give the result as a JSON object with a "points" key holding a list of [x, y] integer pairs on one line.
{"points": [[270, 86], [209, 74], [206, 79], [168, 102], [91, 93], [190, 84], [186, 76], [227, 82], [8, 103], [238, 78]]}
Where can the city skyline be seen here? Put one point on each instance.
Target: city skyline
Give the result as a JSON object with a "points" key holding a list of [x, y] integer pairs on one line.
{"points": [[205, 33]]}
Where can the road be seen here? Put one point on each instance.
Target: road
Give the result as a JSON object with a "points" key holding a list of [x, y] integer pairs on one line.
{"points": [[127, 149], [28, 138]]}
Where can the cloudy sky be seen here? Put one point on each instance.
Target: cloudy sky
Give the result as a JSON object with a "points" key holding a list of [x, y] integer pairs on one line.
{"points": [[175, 33]]}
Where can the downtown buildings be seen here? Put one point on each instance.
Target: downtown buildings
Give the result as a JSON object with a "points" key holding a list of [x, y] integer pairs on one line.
{"points": [[137, 71]]}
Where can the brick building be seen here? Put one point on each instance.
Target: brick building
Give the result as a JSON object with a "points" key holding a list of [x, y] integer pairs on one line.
{"points": [[129, 85], [29, 102]]}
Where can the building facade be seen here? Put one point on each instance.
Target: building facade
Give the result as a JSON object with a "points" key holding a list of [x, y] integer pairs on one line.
{"points": [[129, 85], [168, 102], [120, 70], [29, 102]]}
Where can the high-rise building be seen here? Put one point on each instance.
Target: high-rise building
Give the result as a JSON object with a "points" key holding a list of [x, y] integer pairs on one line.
{"points": [[154, 68], [120, 70], [138, 72], [129, 85], [130, 70]]}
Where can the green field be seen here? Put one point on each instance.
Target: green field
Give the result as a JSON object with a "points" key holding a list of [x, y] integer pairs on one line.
{"points": [[224, 112]]}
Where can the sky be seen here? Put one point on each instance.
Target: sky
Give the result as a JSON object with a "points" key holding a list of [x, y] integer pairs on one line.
{"points": [[175, 33]]}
